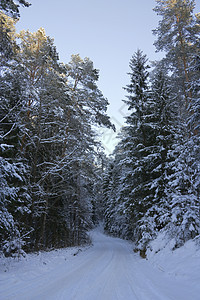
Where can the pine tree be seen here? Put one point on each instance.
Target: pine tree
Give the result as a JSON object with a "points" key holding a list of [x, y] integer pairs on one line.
{"points": [[177, 35], [49, 148], [89, 111], [11, 8]]}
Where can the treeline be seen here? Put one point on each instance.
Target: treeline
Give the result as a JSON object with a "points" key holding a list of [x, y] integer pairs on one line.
{"points": [[152, 184], [50, 157]]}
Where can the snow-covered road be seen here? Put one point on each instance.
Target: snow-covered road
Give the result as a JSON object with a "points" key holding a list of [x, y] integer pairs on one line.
{"points": [[107, 270]]}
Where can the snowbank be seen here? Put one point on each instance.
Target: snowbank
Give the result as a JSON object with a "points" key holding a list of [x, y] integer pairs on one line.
{"points": [[34, 265], [183, 263]]}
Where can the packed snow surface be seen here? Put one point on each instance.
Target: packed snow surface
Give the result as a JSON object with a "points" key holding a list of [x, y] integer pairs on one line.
{"points": [[109, 269]]}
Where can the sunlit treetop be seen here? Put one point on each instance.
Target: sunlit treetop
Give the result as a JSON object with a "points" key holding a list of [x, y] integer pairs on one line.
{"points": [[176, 3], [38, 43], [177, 22], [182, 8], [33, 41], [8, 44], [7, 25]]}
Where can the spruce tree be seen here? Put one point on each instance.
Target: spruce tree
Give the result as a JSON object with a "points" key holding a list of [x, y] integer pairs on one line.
{"points": [[177, 34], [136, 139]]}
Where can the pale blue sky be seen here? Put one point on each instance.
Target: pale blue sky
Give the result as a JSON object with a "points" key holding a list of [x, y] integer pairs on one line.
{"points": [[106, 31]]}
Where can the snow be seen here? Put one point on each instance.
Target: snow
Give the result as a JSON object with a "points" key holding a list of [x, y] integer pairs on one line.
{"points": [[109, 269]]}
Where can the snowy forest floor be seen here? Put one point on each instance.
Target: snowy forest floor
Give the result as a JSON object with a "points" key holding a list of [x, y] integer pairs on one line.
{"points": [[109, 269]]}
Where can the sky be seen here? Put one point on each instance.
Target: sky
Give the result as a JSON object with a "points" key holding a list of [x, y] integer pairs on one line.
{"points": [[106, 31]]}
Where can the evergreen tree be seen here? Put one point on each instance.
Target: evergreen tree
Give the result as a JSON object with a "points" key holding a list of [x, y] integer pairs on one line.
{"points": [[11, 8], [135, 191], [15, 200], [137, 139], [194, 108], [116, 221], [178, 35], [89, 111], [156, 216]]}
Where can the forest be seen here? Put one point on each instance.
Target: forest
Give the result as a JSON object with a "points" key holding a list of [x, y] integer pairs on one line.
{"points": [[56, 181]]}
